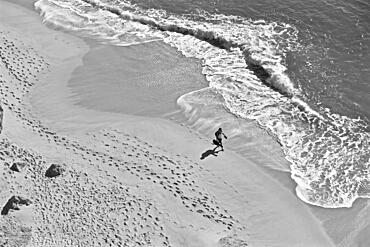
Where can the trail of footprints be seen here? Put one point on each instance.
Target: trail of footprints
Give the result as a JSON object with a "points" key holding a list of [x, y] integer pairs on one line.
{"points": [[179, 177], [122, 218], [113, 213], [22, 62], [20, 67], [76, 206]]}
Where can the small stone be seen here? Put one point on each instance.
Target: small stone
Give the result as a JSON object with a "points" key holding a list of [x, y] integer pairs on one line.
{"points": [[13, 203], [1, 118], [54, 170], [18, 166]]}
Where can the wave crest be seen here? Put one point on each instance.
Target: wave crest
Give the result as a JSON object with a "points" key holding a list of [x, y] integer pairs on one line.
{"points": [[277, 79]]}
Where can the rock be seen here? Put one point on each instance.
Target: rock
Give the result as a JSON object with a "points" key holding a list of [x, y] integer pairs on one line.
{"points": [[1, 118], [13, 203], [54, 170], [18, 166]]}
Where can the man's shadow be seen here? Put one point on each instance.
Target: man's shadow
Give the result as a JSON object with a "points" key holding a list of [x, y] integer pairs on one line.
{"points": [[208, 153]]}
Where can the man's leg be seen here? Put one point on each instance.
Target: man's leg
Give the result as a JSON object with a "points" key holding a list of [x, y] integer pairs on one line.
{"points": [[217, 142], [220, 143]]}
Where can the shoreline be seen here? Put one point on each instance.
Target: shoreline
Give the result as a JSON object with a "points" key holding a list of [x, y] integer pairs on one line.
{"points": [[235, 183]]}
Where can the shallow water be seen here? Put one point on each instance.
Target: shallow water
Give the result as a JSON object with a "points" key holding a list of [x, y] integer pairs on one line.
{"points": [[297, 68], [144, 79]]}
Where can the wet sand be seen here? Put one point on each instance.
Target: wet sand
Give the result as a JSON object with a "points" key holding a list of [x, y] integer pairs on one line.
{"points": [[142, 79]]}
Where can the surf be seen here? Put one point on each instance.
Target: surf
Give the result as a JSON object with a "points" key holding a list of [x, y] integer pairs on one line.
{"points": [[244, 62]]}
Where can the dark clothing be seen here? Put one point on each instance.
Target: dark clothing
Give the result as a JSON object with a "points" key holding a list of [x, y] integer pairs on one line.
{"points": [[219, 135], [219, 142]]}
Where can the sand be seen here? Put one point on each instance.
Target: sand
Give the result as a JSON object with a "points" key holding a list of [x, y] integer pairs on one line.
{"points": [[136, 174]]}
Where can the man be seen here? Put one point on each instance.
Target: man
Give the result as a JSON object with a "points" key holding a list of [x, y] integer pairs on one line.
{"points": [[218, 141]]}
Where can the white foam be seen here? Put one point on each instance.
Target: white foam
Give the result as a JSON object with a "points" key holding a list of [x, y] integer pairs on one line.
{"points": [[99, 24]]}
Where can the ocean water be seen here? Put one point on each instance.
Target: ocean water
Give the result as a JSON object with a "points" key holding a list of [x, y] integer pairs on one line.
{"points": [[300, 69]]}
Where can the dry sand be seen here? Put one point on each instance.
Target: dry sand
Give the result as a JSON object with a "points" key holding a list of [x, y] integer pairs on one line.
{"points": [[127, 180]]}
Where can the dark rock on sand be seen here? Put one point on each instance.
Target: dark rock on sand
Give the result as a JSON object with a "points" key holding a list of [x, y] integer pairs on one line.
{"points": [[13, 203], [1, 118], [54, 170], [18, 166]]}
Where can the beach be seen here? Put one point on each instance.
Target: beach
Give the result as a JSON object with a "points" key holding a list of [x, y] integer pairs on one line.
{"points": [[136, 160]]}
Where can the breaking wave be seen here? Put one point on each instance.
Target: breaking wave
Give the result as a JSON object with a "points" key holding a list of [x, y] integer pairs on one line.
{"points": [[244, 61]]}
